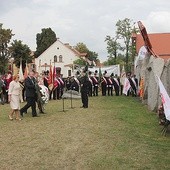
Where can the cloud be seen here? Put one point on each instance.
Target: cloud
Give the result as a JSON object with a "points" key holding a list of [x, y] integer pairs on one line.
{"points": [[158, 22], [87, 21]]}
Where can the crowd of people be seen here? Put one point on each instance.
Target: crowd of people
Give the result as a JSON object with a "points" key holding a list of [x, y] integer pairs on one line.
{"points": [[14, 91]]}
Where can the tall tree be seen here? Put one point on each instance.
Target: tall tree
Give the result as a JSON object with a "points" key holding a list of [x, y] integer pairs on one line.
{"points": [[44, 40], [20, 51], [5, 37], [82, 48], [124, 31], [113, 47]]}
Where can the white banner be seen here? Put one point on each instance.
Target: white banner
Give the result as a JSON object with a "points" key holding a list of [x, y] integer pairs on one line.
{"points": [[126, 86], [165, 99], [21, 75], [115, 69]]}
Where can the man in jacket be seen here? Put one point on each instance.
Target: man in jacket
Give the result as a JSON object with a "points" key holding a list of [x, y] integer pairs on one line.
{"points": [[31, 95]]}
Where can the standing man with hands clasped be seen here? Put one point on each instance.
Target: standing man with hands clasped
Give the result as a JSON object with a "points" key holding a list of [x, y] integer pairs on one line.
{"points": [[84, 83], [31, 95]]}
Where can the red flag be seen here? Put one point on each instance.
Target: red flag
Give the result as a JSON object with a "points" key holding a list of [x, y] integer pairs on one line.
{"points": [[55, 82], [50, 76]]}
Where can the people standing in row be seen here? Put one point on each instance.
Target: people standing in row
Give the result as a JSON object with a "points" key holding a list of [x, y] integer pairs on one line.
{"points": [[14, 97]]}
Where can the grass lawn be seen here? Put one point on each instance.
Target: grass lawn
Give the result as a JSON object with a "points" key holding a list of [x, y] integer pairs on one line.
{"points": [[113, 133]]}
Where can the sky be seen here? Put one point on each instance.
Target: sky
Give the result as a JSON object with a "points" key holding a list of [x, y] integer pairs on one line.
{"points": [[87, 21]]}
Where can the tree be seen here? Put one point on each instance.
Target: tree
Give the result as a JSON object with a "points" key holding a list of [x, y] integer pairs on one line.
{"points": [[124, 31], [80, 62], [44, 40], [20, 51], [113, 46], [5, 37], [82, 48]]}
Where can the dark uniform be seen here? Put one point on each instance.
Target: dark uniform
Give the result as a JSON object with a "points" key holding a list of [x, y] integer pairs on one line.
{"points": [[31, 96], [109, 86], [95, 80], [84, 81], [116, 84], [68, 83], [104, 86], [75, 84], [133, 86]]}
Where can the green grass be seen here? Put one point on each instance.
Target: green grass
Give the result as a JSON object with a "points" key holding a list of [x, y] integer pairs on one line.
{"points": [[113, 133]]}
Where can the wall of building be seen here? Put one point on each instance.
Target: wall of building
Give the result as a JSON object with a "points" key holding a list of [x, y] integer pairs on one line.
{"points": [[58, 48]]}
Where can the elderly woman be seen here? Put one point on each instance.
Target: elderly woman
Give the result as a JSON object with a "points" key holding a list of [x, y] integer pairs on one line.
{"points": [[14, 97]]}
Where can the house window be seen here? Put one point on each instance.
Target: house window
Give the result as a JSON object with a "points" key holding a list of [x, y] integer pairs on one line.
{"points": [[60, 58], [55, 58], [69, 73]]}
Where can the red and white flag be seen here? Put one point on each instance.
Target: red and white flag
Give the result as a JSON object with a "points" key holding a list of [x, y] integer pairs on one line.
{"points": [[165, 99], [126, 86]]}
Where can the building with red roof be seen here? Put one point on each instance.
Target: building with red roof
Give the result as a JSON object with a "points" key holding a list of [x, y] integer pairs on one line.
{"points": [[160, 43]]}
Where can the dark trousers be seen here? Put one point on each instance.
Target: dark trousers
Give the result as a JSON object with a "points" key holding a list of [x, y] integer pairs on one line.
{"points": [[117, 90], [110, 91], [95, 91], [121, 89], [2, 97], [58, 93], [54, 94], [90, 90], [104, 88], [84, 98], [31, 102]]}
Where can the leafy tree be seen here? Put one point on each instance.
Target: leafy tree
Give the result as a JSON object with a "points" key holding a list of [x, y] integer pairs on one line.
{"points": [[80, 62], [5, 37], [82, 48], [124, 31], [44, 40], [20, 51], [113, 46]]}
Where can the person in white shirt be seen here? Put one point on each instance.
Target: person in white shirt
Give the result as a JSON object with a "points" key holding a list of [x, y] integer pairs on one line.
{"points": [[14, 97]]}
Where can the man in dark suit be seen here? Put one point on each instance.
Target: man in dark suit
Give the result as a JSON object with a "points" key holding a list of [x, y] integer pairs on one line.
{"points": [[84, 83], [31, 95]]}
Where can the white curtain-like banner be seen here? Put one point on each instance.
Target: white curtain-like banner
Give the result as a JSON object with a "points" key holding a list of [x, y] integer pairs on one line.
{"points": [[115, 69], [165, 98]]}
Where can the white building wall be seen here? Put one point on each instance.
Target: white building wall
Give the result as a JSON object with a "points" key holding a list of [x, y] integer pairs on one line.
{"points": [[58, 48]]}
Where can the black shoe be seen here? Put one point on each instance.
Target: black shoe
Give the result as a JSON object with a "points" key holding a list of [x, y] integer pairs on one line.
{"points": [[85, 107]]}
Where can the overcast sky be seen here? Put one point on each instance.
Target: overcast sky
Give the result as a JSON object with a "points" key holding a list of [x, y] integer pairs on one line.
{"points": [[87, 21]]}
